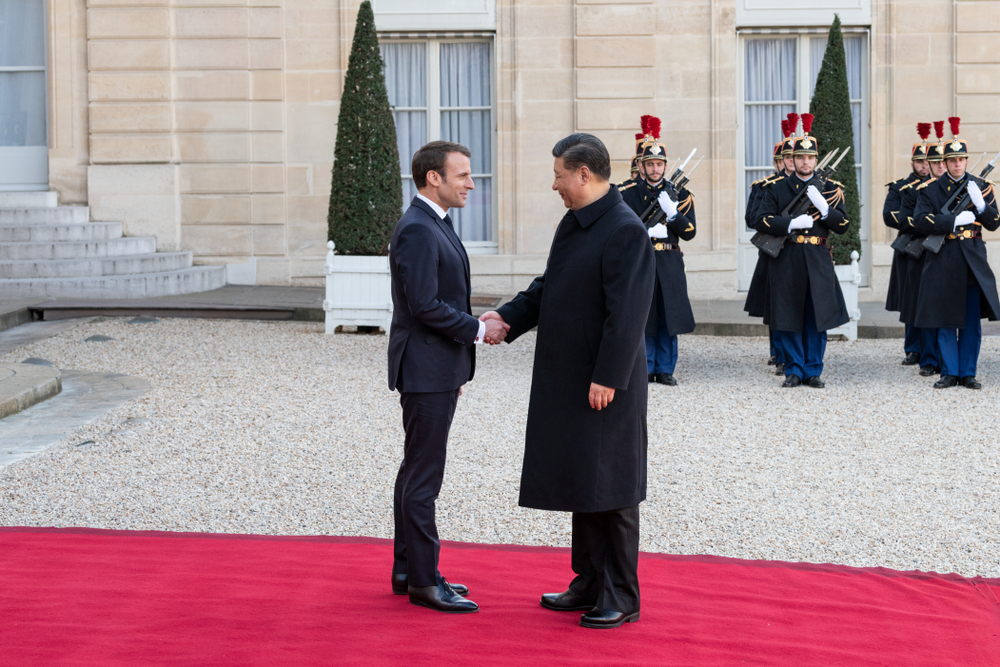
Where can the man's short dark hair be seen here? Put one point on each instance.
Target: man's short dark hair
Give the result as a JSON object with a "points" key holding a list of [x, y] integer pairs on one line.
{"points": [[584, 150], [432, 157]]}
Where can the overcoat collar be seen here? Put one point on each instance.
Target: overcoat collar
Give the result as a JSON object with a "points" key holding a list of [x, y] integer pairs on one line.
{"points": [[590, 213]]}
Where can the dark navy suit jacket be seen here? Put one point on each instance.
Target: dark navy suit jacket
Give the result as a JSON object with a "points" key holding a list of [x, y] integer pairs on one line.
{"points": [[433, 333]]}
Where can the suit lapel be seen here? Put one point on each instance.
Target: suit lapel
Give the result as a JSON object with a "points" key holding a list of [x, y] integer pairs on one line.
{"points": [[448, 232]]}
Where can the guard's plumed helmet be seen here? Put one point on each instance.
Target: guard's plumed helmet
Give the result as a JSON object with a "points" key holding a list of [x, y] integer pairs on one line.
{"points": [[788, 145], [919, 151], [806, 145], [956, 148], [935, 151], [652, 149], [781, 144]]}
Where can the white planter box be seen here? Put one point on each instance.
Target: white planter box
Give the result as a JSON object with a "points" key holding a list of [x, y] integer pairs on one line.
{"points": [[850, 279], [358, 291]]}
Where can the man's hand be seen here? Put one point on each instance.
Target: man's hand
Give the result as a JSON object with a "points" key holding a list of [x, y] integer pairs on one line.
{"points": [[964, 218], [976, 195], [668, 205], [600, 396], [496, 328], [803, 221], [816, 197]]}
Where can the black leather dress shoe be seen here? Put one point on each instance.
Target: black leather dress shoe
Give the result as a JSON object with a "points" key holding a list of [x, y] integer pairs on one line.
{"points": [[441, 598], [792, 381], [607, 618], [779, 369], [399, 586], [651, 377], [667, 379], [911, 359], [566, 601], [927, 371], [815, 382], [946, 381], [772, 361], [970, 382]]}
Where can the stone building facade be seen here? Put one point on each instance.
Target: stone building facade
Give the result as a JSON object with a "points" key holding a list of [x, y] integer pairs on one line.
{"points": [[211, 124]]}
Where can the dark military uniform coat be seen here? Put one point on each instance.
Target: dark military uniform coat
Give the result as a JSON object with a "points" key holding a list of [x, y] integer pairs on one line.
{"points": [[802, 266], [910, 280], [960, 263], [669, 263], [891, 218], [757, 293], [589, 307]]}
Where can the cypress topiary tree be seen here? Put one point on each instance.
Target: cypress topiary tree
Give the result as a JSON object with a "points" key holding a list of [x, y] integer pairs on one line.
{"points": [[833, 128], [366, 196]]}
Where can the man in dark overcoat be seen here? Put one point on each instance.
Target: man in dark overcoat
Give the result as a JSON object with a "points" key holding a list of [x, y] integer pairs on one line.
{"points": [[757, 292], [892, 218], [930, 359], [670, 313], [958, 287], [431, 355], [585, 441], [805, 299]]}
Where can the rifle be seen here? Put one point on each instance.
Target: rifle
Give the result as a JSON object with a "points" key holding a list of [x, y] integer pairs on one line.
{"points": [[800, 204], [653, 215], [957, 202]]}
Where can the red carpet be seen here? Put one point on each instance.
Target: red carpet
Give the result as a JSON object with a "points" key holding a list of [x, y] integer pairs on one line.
{"points": [[89, 597]]}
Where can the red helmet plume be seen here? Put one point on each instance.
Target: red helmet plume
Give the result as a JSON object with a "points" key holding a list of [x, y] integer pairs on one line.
{"points": [[639, 135], [954, 122], [793, 122], [924, 130], [807, 123], [650, 126], [785, 129], [939, 129]]}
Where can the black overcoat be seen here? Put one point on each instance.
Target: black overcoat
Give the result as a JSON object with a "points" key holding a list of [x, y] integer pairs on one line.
{"points": [[669, 263], [589, 307], [910, 287], [801, 267], [891, 218], [757, 293], [960, 263]]}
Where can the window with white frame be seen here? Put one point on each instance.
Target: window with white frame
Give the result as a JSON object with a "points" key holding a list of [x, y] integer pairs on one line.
{"points": [[779, 77], [443, 89]]}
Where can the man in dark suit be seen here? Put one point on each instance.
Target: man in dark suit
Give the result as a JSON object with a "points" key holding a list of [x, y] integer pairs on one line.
{"points": [[585, 441], [431, 355]]}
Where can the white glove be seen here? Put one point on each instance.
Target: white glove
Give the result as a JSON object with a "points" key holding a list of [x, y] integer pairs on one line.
{"points": [[817, 199], [964, 218], [804, 221], [976, 195], [668, 205], [658, 231]]}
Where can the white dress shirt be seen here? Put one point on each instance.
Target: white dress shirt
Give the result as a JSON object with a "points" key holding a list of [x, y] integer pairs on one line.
{"points": [[441, 214]]}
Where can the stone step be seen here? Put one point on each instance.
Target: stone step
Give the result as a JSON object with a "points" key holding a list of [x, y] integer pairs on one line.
{"points": [[140, 286], [44, 216], [94, 268], [29, 199], [132, 245], [88, 231]]}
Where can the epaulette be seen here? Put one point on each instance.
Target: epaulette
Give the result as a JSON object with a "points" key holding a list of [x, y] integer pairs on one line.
{"points": [[837, 183], [625, 186], [776, 179], [925, 184], [908, 185], [758, 182]]}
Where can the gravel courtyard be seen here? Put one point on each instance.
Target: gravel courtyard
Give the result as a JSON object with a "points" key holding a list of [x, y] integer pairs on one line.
{"points": [[276, 428]]}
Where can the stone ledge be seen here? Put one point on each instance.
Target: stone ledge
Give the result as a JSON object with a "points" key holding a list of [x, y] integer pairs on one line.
{"points": [[24, 385]]}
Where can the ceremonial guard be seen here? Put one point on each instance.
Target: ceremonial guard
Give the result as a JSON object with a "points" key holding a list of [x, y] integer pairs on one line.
{"points": [[670, 313], [891, 217], [957, 287], [757, 293], [805, 299], [930, 360]]}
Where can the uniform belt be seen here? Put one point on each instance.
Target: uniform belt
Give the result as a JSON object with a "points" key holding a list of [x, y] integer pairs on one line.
{"points": [[665, 246], [965, 234], [810, 240]]}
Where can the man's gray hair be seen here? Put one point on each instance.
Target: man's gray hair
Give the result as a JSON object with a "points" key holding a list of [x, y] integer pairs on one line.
{"points": [[580, 149]]}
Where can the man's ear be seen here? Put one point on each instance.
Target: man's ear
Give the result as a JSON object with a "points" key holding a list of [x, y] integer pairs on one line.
{"points": [[585, 175], [434, 178]]}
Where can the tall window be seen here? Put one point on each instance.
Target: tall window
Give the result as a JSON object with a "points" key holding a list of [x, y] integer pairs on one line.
{"points": [[779, 77], [443, 89]]}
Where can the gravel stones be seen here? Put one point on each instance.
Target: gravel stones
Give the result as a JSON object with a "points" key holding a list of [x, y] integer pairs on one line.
{"points": [[276, 428]]}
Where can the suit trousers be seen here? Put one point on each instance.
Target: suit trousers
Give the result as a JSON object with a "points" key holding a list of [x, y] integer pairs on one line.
{"points": [[960, 348], [426, 420], [605, 555]]}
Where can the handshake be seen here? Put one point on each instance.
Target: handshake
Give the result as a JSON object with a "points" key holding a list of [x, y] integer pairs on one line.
{"points": [[496, 328]]}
